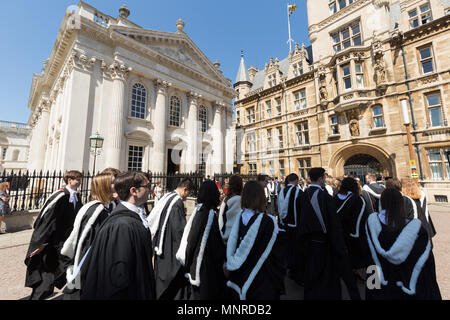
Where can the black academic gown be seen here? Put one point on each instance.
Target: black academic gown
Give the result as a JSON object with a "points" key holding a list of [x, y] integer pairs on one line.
{"points": [[119, 264], [374, 201], [322, 257], [407, 273], [74, 294], [47, 269], [411, 205], [352, 214], [170, 280], [268, 283], [207, 278], [290, 225]]}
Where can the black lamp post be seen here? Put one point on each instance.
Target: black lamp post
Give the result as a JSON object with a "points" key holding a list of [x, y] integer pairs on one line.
{"points": [[96, 147]]}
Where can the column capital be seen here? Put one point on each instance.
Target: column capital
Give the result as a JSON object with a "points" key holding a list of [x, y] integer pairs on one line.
{"points": [[219, 106], [81, 61], [161, 86], [193, 97], [116, 70]]}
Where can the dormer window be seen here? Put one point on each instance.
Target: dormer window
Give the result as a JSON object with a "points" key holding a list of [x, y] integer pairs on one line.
{"points": [[298, 69], [272, 80]]}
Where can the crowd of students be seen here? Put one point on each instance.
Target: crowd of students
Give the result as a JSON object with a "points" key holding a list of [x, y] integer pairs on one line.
{"points": [[237, 246]]}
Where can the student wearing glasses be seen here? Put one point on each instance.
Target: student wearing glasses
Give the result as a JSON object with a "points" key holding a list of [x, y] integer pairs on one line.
{"points": [[119, 264]]}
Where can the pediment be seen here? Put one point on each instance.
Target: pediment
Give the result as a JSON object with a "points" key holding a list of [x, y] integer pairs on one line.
{"points": [[176, 47]]}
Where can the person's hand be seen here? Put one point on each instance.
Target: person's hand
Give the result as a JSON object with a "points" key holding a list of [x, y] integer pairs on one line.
{"points": [[37, 251]]}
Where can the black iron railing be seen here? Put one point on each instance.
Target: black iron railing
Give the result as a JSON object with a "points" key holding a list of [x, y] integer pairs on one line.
{"points": [[29, 190]]}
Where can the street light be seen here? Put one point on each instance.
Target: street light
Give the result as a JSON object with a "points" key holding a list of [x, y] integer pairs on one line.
{"points": [[407, 123], [96, 147]]}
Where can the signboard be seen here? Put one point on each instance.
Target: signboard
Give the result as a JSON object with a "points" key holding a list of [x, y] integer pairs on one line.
{"points": [[412, 163], [415, 175]]}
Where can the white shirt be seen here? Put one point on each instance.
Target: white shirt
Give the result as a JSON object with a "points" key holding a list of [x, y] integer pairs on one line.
{"points": [[247, 215], [73, 196], [138, 210]]}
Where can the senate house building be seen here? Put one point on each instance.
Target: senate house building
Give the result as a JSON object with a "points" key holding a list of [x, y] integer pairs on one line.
{"points": [[371, 94], [159, 103]]}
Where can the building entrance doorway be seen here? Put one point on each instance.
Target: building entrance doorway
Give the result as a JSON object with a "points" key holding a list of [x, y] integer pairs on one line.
{"points": [[173, 161], [362, 164]]}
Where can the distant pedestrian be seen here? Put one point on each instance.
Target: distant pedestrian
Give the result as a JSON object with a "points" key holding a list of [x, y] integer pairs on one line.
{"points": [[45, 266], [4, 202]]}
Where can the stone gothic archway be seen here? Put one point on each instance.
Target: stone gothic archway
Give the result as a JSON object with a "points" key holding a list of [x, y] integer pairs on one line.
{"points": [[341, 157]]}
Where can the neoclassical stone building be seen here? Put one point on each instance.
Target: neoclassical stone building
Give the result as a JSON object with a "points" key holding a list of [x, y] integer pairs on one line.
{"points": [[338, 104], [14, 146], [157, 100]]}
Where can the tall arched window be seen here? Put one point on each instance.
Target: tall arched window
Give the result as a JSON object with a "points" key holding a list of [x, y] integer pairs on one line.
{"points": [[138, 101], [203, 118], [175, 112]]}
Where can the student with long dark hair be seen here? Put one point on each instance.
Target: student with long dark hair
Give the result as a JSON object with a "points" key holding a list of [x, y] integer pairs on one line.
{"points": [[351, 210], [401, 250], [202, 252], [231, 206], [253, 261]]}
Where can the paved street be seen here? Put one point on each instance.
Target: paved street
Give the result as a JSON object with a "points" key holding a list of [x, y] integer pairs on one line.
{"points": [[13, 248]]}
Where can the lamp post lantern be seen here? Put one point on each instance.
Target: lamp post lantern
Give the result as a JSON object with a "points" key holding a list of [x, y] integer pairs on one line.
{"points": [[96, 143]]}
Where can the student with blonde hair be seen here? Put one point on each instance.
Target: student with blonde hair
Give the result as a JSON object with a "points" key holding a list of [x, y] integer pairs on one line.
{"points": [[418, 202], [86, 226]]}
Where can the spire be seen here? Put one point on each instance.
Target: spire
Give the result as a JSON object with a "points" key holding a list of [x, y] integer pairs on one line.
{"points": [[242, 75]]}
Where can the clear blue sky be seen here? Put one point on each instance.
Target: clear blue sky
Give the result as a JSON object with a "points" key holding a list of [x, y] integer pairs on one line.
{"points": [[220, 28]]}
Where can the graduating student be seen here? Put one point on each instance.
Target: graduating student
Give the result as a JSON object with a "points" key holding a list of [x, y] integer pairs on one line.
{"points": [[202, 251], [231, 206], [45, 266], [254, 262], [397, 184], [402, 252], [322, 252], [351, 210], [287, 219], [272, 202], [374, 191], [118, 265], [86, 226], [167, 221], [113, 172], [417, 204]]}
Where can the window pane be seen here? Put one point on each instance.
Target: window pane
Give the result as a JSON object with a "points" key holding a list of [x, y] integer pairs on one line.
{"points": [[425, 8], [334, 120], [414, 23], [359, 81], [337, 48], [355, 29], [378, 122], [345, 34], [425, 53], [427, 66], [377, 111], [305, 125], [346, 44], [348, 83], [433, 100], [358, 68], [346, 70], [436, 117], [436, 171], [336, 38], [434, 154], [412, 13], [426, 18], [306, 137], [357, 41], [342, 4], [308, 163]]}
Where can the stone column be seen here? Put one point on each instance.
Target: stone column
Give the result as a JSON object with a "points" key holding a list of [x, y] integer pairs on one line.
{"points": [[158, 155], [192, 159], [229, 142], [218, 133], [115, 151], [39, 139]]}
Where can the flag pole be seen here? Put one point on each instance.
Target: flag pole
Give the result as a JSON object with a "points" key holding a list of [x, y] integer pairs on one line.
{"points": [[289, 28]]}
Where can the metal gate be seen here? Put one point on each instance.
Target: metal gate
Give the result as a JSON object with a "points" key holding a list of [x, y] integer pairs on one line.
{"points": [[359, 171]]}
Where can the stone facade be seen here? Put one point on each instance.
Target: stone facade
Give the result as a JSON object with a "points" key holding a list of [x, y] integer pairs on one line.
{"points": [[343, 111], [146, 92], [14, 146]]}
